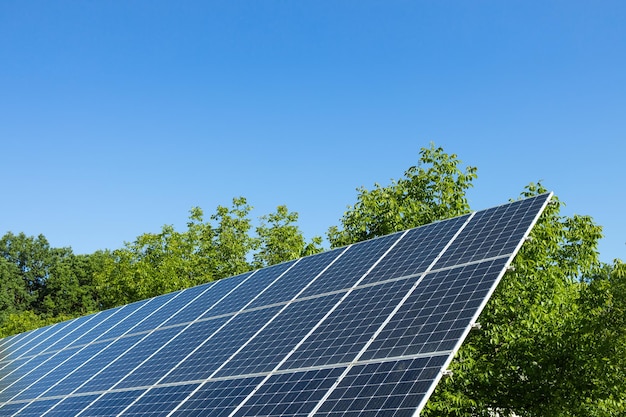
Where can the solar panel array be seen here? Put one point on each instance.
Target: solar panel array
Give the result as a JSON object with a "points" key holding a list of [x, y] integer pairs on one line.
{"points": [[362, 330]]}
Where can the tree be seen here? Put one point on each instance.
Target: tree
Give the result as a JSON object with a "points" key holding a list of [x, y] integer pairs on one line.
{"points": [[233, 241], [432, 190], [223, 246], [40, 284], [158, 263], [280, 239]]}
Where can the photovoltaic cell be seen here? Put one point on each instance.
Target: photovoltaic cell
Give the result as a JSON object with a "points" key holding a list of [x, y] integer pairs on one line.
{"points": [[275, 341], [352, 265], [415, 252], [371, 389], [118, 368], [211, 353], [344, 333], [32, 409], [68, 406], [216, 398], [363, 330], [158, 402], [296, 278], [169, 355], [291, 394], [249, 289]]}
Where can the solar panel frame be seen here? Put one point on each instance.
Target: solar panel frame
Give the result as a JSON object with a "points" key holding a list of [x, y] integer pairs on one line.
{"points": [[260, 301]]}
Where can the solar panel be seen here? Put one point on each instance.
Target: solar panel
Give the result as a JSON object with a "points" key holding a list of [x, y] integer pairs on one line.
{"points": [[363, 330]]}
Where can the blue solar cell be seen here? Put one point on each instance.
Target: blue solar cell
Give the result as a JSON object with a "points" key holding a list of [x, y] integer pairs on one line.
{"points": [[14, 340], [249, 289], [33, 409], [33, 370], [294, 280], [76, 329], [128, 317], [351, 266], [270, 346], [115, 370], [105, 320], [62, 368], [158, 402], [21, 345], [46, 338], [84, 370], [290, 395], [110, 404], [346, 331], [9, 373], [11, 409], [217, 398], [372, 389], [69, 406], [493, 232], [416, 251], [172, 353], [437, 313], [213, 350], [207, 300], [171, 303]]}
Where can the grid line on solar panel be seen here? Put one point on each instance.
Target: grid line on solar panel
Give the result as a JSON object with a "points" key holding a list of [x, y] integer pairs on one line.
{"points": [[45, 336], [297, 278], [217, 398], [495, 231], [28, 337], [111, 361], [416, 252], [209, 299], [175, 337], [146, 360], [61, 330], [138, 307], [67, 407], [84, 326], [435, 316], [393, 312], [31, 409], [303, 334], [290, 394], [160, 401], [315, 268], [107, 325], [370, 390], [263, 278], [206, 338], [352, 266], [71, 328], [240, 371], [328, 314], [23, 365]]}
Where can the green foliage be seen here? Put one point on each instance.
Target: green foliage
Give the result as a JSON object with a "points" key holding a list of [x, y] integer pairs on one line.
{"points": [[223, 246], [24, 321], [233, 242], [281, 240], [40, 284], [432, 190]]}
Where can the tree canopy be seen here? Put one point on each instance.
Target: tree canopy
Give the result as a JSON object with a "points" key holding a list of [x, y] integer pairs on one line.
{"points": [[552, 340]]}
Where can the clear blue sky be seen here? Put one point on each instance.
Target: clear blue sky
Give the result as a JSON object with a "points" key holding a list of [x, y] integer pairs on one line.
{"points": [[116, 117]]}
